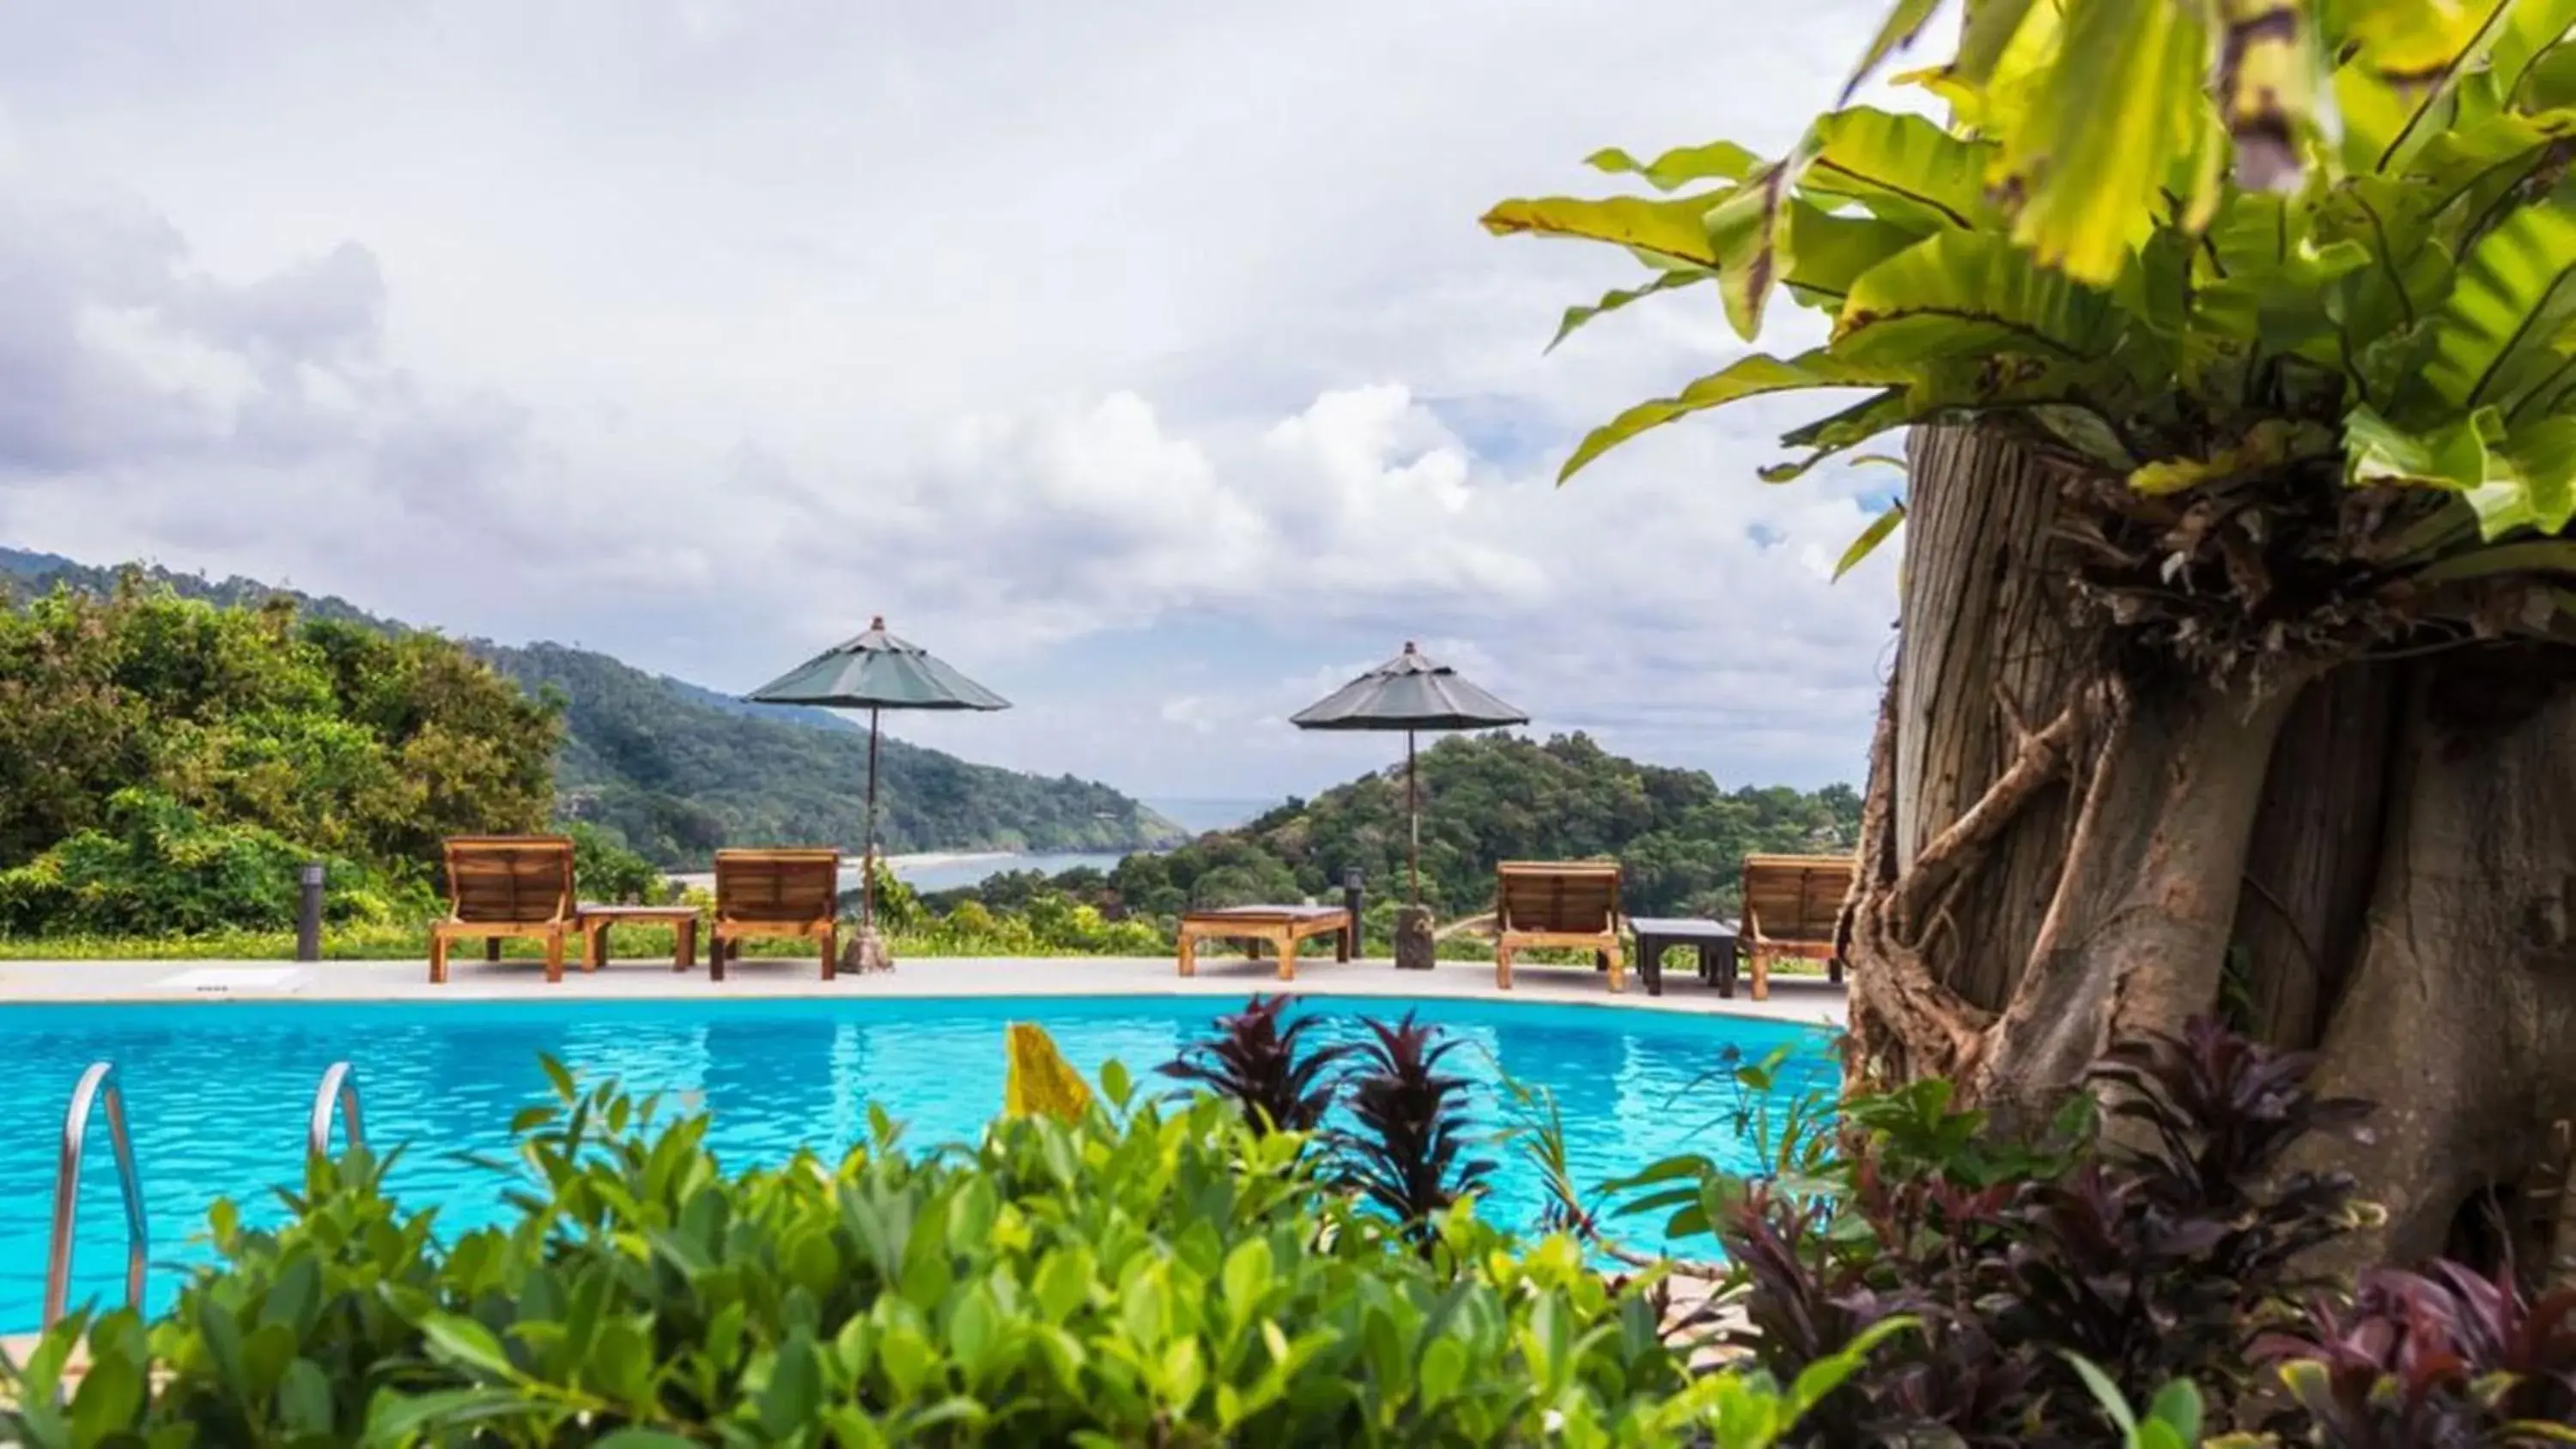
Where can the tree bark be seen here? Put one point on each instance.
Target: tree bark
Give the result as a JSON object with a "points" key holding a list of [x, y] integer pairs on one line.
{"points": [[2375, 860]]}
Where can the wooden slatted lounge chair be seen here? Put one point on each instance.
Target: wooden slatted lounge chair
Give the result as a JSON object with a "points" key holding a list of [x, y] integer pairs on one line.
{"points": [[501, 887], [1547, 903], [1793, 906], [793, 894]]}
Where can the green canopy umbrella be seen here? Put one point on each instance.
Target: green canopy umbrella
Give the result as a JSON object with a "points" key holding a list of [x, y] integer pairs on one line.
{"points": [[876, 672], [1409, 693]]}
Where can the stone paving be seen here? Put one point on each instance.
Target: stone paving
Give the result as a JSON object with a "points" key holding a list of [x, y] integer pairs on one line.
{"points": [[1793, 998]]}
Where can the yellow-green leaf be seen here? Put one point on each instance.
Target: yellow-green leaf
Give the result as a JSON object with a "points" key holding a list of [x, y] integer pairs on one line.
{"points": [[2378, 453], [1968, 293], [2515, 294], [2111, 117], [2530, 482], [1829, 253], [1989, 31], [1743, 378], [1904, 22], [1677, 229], [2405, 77], [1903, 168], [1751, 244], [1039, 1081], [1870, 538], [1618, 297], [1715, 161]]}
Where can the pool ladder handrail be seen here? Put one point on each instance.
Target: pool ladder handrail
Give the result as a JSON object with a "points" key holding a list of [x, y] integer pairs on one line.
{"points": [[339, 1090], [99, 1081]]}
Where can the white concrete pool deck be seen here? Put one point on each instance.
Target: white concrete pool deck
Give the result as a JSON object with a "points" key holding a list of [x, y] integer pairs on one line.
{"points": [[1793, 998]]}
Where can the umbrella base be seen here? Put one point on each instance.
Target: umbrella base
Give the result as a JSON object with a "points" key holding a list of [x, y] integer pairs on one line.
{"points": [[1414, 947], [866, 951]]}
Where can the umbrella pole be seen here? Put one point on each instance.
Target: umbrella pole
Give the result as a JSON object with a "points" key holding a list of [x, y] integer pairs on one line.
{"points": [[868, 870], [1413, 825]]}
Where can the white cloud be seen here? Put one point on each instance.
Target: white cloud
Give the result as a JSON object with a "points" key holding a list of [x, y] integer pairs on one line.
{"points": [[1128, 352]]}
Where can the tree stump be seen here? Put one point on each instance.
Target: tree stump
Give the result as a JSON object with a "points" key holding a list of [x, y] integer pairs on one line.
{"points": [[1414, 947], [866, 951]]}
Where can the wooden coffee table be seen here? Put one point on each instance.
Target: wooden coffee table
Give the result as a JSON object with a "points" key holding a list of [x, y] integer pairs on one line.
{"points": [[1715, 940], [1282, 926], [595, 922]]}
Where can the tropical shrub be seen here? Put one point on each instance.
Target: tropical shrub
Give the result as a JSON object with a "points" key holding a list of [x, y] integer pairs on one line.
{"points": [[1135, 1276], [2153, 1257], [604, 870], [2436, 1358], [158, 868], [165, 765], [1407, 1150], [1264, 1068]]}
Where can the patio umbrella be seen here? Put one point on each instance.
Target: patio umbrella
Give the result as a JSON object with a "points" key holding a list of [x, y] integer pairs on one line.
{"points": [[876, 672], [1409, 693]]}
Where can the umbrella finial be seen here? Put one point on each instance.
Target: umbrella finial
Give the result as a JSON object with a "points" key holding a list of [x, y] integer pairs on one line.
{"points": [[877, 622], [1408, 647]]}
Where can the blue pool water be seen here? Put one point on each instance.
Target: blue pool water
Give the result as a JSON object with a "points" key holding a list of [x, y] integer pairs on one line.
{"points": [[218, 1093]]}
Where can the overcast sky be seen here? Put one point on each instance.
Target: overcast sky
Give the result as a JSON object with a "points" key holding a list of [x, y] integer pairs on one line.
{"points": [[1143, 359]]}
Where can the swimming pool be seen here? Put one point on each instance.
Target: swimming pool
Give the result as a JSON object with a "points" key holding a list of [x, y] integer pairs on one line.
{"points": [[218, 1093]]}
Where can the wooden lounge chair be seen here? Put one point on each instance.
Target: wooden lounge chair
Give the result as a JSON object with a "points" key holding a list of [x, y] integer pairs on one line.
{"points": [[776, 893], [504, 886], [1570, 904], [1793, 905]]}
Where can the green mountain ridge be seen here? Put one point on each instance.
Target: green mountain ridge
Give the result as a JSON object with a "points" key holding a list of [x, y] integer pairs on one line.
{"points": [[678, 769]]}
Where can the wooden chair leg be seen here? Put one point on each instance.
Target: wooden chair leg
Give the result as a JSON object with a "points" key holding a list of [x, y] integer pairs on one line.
{"points": [[1761, 975], [716, 944], [437, 959], [1503, 967], [491, 948], [594, 947], [1617, 972], [1189, 954], [684, 946], [831, 952], [1287, 944]]}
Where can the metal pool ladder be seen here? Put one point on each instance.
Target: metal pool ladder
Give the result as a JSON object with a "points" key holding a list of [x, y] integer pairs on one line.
{"points": [[98, 1081], [339, 1089]]}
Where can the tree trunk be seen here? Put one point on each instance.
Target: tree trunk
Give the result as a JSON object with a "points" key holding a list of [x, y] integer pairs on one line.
{"points": [[2377, 861]]}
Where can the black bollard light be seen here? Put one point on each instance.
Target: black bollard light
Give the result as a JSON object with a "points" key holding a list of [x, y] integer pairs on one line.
{"points": [[308, 919], [1351, 902]]}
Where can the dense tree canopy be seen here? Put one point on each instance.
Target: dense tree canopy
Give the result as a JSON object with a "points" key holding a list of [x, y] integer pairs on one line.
{"points": [[164, 763], [1493, 798]]}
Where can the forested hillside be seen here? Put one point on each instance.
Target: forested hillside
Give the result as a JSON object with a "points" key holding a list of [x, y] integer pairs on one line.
{"points": [[676, 770], [1487, 799], [678, 775]]}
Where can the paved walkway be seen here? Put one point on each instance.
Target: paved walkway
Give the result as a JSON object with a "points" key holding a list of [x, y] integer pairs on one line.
{"points": [[1807, 999]]}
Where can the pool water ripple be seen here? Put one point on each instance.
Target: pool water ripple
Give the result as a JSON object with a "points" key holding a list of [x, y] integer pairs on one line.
{"points": [[218, 1094]]}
